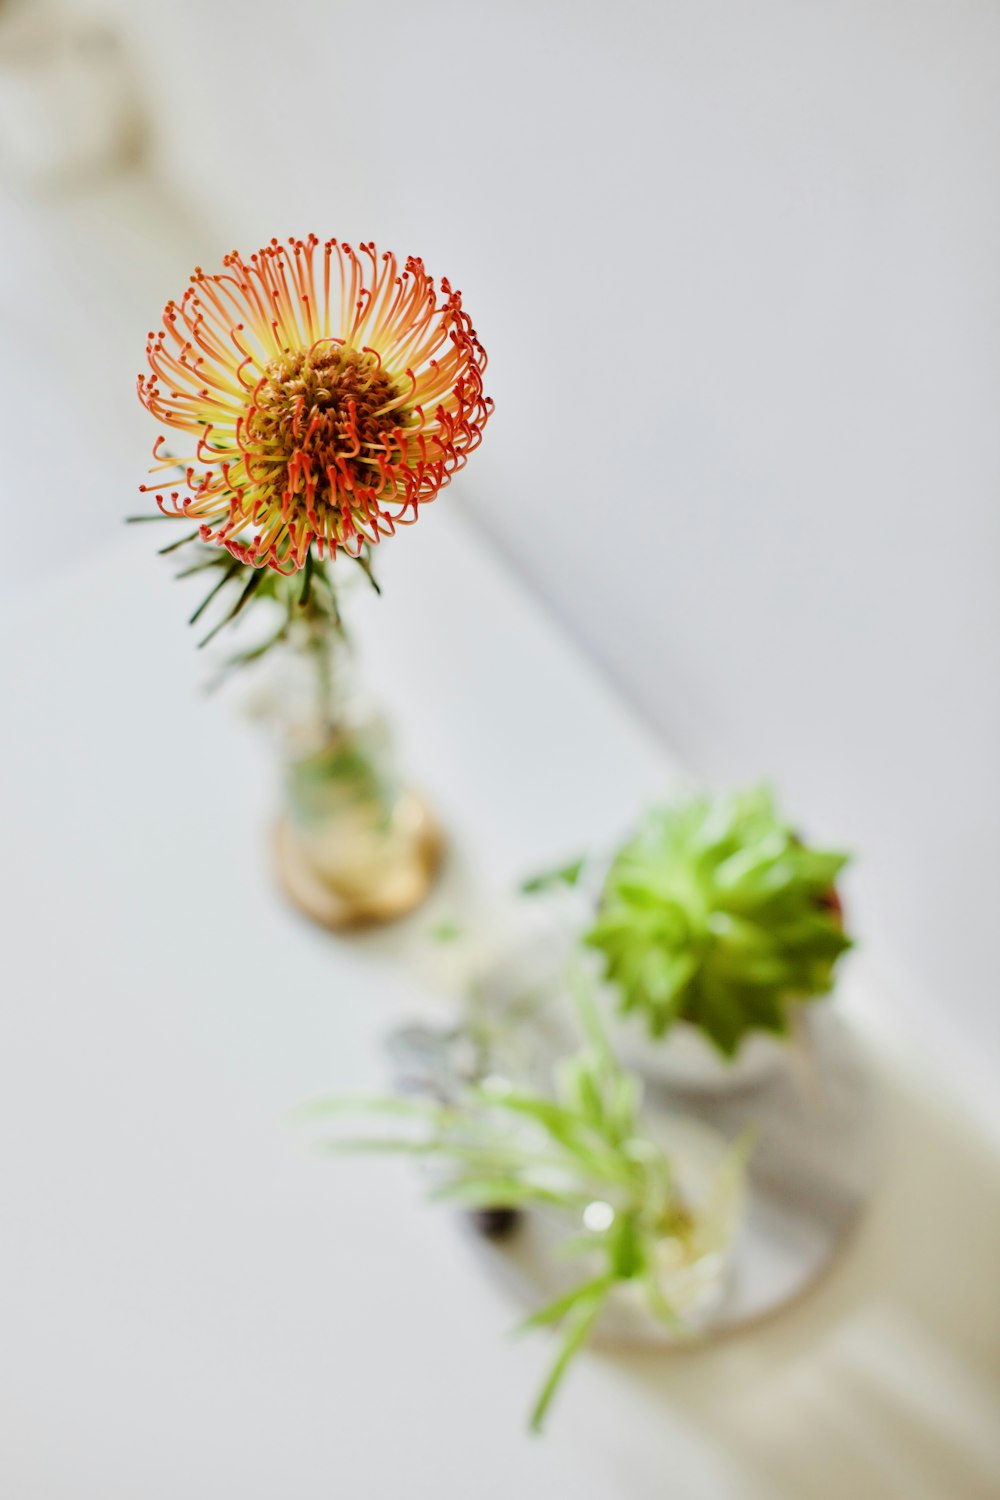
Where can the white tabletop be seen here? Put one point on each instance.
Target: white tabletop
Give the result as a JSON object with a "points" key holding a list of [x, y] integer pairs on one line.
{"points": [[191, 1304]]}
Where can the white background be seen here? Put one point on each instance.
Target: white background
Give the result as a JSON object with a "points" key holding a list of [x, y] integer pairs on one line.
{"points": [[736, 268]]}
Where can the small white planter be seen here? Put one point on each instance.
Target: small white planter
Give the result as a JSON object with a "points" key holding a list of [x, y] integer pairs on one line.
{"points": [[685, 1059]]}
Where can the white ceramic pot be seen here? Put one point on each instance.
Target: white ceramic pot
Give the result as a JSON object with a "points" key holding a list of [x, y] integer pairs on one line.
{"points": [[685, 1060]]}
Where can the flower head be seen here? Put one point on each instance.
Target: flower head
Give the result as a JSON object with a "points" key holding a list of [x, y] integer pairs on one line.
{"points": [[328, 394]]}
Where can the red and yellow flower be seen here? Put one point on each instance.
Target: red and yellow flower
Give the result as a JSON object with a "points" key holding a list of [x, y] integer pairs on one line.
{"points": [[329, 395]]}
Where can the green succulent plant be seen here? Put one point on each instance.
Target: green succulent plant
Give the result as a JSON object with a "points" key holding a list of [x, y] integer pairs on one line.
{"points": [[718, 914]]}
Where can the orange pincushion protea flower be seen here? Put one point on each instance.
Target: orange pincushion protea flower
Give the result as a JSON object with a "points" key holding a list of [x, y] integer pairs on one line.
{"points": [[330, 395]]}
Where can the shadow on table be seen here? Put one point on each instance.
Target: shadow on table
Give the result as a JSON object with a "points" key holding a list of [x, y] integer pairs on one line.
{"points": [[886, 1381]]}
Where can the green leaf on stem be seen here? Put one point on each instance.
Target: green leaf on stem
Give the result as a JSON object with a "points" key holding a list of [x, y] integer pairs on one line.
{"points": [[581, 1321]]}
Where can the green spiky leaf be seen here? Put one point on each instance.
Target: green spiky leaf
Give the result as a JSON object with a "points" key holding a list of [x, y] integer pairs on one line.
{"points": [[547, 879]]}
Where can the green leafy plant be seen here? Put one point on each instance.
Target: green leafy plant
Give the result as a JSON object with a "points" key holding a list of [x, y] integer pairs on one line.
{"points": [[718, 914], [582, 1151]]}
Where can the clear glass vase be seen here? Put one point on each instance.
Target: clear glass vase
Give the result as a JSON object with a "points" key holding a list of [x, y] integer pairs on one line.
{"points": [[806, 1107], [503, 1039], [354, 845], [696, 1257]]}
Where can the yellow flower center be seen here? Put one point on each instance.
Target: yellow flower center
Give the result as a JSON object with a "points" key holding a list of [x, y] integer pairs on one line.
{"points": [[318, 420]]}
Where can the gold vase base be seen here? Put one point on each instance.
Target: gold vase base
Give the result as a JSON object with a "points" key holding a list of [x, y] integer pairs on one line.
{"points": [[375, 890]]}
